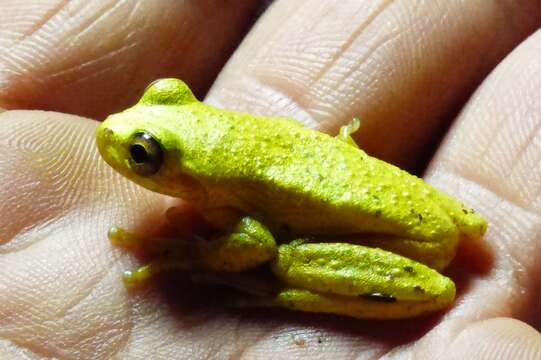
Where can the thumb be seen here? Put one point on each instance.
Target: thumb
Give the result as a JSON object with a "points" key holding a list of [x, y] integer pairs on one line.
{"points": [[497, 338]]}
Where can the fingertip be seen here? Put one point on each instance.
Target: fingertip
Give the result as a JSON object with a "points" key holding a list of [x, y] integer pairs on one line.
{"points": [[497, 338]]}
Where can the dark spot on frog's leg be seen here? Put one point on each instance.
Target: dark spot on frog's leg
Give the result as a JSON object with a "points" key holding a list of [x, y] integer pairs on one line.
{"points": [[419, 289], [379, 297], [409, 269]]}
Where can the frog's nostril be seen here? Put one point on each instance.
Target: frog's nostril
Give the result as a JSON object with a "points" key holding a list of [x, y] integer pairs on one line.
{"points": [[104, 140], [104, 136], [107, 132]]}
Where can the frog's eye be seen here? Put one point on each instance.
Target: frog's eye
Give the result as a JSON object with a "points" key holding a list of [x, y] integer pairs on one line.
{"points": [[146, 155]]}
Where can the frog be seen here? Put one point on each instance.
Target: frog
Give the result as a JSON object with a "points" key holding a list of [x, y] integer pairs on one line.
{"points": [[340, 232]]}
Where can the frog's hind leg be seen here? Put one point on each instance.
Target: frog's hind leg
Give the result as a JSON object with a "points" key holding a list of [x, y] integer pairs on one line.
{"points": [[436, 255], [357, 281], [470, 223], [345, 131]]}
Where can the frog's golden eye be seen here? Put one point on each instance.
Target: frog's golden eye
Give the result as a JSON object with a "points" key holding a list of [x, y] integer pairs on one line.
{"points": [[146, 155]]}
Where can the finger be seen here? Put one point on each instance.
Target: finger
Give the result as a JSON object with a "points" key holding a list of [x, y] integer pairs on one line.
{"points": [[60, 282], [95, 58], [403, 67], [500, 338], [490, 160], [57, 161], [63, 286]]}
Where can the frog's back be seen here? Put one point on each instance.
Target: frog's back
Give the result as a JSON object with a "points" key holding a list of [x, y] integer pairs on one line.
{"points": [[313, 183]]}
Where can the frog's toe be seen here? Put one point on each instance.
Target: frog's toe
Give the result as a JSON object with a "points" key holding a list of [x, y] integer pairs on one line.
{"points": [[134, 278], [153, 246], [122, 238]]}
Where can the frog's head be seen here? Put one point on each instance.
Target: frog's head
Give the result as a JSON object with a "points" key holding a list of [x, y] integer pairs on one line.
{"points": [[142, 142]]}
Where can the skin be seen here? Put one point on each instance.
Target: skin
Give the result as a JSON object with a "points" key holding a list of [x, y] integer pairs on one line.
{"points": [[301, 180], [59, 197]]}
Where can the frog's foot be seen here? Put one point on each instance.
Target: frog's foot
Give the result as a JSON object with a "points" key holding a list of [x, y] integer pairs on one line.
{"points": [[175, 253], [345, 131], [248, 283], [358, 281], [248, 245], [139, 276], [151, 246]]}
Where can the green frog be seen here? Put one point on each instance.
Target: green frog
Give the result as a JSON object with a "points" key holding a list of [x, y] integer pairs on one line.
{"points": [[340, 231]]}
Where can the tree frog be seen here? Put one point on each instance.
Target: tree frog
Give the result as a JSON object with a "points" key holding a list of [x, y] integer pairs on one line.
{"points": [[341, 232]]}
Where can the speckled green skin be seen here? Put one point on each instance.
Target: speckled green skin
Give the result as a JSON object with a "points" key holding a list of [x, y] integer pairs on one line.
{"points": [[293, 179], [323, 277]]}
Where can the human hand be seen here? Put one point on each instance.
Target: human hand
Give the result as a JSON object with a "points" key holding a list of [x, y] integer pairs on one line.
{"points": [[405, 68]]}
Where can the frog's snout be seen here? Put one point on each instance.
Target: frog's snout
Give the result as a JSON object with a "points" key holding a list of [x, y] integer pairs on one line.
{"points": [[106, 140], [103, 138], [104, 135]]}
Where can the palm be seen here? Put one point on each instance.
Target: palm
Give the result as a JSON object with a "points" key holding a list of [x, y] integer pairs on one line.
{"points": [[401, 69]]}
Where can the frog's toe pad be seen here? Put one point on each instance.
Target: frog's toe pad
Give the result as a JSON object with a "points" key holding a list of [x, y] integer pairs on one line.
{"points": [[134, 278], [120, 237]]}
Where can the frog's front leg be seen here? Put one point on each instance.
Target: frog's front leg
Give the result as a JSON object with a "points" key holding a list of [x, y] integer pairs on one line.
{"points": [[357, 281], [182, 258], [246, 245]]}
